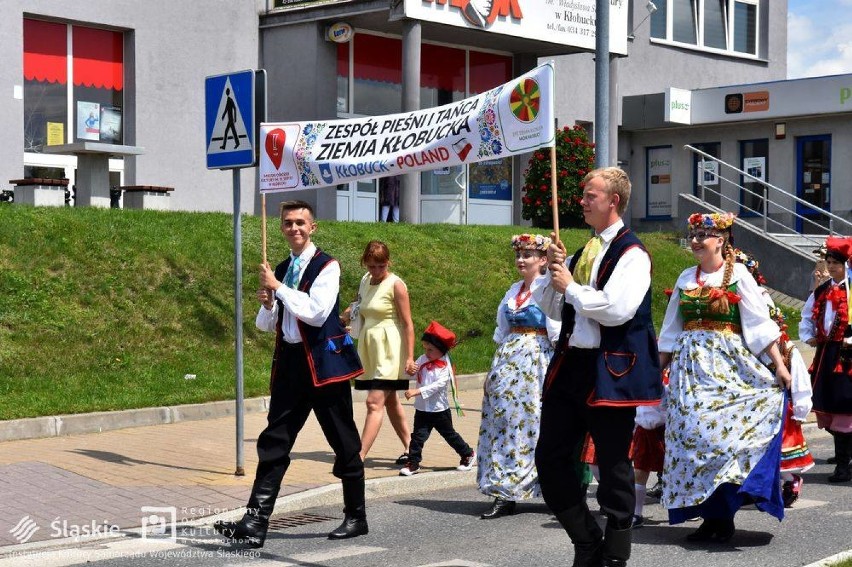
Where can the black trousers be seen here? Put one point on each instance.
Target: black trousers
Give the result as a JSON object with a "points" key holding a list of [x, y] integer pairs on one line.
{"points": [[565, 420], [293, 397], [442, 422]]}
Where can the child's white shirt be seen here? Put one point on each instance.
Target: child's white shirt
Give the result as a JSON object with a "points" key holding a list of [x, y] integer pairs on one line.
{"points": [[432, 380]]}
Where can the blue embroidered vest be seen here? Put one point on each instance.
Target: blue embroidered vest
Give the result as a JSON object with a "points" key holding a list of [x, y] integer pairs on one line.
{"points": [[329, 349], [628, 363]]}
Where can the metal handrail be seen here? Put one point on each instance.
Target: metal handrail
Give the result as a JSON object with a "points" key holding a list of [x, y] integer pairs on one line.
{"points": [[766, 200]]}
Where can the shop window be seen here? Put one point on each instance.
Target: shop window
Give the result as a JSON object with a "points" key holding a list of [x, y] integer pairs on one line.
{"points": [[488, 70], [729, 26], [343, 77], [708, 178], [377, 75], [754, 157], [95, 87], [45, 84], [441, 75], [491, 180]]}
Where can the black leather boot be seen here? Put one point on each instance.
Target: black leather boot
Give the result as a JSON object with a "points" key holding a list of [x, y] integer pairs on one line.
{"points": [[843, 453], [501, 507], [585, 534], [354, 510], [705, 532], [251, 529], [616, 547]]}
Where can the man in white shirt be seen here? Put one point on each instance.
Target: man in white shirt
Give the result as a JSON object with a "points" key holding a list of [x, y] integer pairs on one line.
{"points": [[313, 361], [605, 364]]}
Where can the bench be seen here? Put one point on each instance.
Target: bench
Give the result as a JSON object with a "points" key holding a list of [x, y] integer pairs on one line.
{"points": [[152, 197], [40, 192]]}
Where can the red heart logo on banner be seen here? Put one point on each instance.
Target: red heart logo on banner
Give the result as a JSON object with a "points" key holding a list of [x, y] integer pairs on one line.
{"points": [[275, 146]]}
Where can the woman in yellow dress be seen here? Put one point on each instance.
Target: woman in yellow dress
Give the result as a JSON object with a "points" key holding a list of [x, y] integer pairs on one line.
{"points": [[385, 345]]}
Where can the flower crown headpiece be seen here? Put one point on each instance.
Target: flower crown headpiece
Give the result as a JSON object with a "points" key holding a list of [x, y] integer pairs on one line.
{"points": [[714, 221], [530, 242], [751, 265]]}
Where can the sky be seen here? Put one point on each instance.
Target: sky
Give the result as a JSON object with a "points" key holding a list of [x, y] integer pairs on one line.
{"points": [[819, 37]]}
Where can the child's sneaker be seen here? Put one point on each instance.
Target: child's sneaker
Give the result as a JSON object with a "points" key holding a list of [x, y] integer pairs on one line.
{"points": [[409, 469], [466, 463]]}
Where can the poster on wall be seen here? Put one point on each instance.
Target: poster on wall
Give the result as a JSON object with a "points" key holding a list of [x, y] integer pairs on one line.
{"points": [[756, 167], [511, 119], [110, 125], [710, 175], [88, 120], [490, 179], [55, 133], [659, 167]]}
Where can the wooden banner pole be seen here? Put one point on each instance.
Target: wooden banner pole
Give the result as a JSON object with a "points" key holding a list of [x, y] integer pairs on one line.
{"points": [[553, 193], [263, 226]]}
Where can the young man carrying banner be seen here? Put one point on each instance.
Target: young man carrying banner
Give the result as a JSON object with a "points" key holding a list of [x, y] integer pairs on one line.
{"points": [[605, 364], [313, 361]]}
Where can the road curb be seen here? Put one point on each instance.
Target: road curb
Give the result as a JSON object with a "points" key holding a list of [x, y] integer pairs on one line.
{"points": [[97, 422]]}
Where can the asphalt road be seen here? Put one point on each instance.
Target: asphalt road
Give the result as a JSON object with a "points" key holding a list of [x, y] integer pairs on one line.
{"points": [[442, 528]]}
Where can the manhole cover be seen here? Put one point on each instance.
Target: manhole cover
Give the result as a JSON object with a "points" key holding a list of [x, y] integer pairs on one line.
{"points": [[294, 520]]}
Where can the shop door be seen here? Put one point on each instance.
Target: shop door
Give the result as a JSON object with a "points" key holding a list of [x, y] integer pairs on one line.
{"points": [[442, 194], [490, 192], [813, 180], [358, 201]]}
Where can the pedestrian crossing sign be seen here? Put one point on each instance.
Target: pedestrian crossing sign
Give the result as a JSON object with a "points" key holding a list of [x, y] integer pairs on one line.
{"points": [[230, 120]]}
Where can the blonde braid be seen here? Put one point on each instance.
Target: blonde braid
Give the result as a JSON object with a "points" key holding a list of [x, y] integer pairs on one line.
{"points": [[720, 304]]}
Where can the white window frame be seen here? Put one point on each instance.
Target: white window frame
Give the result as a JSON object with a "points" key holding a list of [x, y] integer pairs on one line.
{"points": [[730, 27]]}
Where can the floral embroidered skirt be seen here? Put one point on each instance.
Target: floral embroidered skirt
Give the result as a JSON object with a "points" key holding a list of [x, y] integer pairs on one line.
{"points": [[723, 429], [511, 414]]}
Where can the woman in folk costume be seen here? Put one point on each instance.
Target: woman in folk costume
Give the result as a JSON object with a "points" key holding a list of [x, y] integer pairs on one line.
{"points": [[511, 404], [825, 324], [796, 458], [724, 407]]}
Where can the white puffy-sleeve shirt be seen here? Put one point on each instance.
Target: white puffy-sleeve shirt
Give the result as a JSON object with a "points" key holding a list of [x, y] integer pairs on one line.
{"points": [[611, 306], [510, 299], [312, 308], [759, 331]]}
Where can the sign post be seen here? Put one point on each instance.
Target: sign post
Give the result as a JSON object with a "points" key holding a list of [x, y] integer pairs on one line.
{"points": [[233, 109]]}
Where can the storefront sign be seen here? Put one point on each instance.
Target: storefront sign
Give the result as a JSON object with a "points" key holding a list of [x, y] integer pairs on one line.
{"points": [[339, 32], [659, 167], [564, 22], [678, 104], [778, 99], [514, 118]]}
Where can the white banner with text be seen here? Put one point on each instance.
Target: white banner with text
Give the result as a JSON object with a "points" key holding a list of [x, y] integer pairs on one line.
{"points": [[514, 118]]}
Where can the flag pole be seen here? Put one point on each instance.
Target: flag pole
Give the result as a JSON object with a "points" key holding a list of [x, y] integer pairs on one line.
{"points": [[553, 195], [263, 226]]}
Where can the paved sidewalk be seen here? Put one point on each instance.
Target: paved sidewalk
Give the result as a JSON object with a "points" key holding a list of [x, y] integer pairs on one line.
{"points": [[86, 483]]}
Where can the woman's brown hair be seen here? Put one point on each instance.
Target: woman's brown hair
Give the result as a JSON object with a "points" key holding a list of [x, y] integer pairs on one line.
{"points": [[377, 251]]}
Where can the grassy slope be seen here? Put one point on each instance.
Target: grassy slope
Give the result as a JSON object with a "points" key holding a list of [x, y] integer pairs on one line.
{"points": [[109, 309]]}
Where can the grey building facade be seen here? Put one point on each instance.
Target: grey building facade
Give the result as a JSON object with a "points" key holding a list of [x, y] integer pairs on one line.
{"points": [[169, 47]]}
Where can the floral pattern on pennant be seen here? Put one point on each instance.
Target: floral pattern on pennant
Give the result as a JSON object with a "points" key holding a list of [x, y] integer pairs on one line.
{"points": [[302, 151], [489, 130]]}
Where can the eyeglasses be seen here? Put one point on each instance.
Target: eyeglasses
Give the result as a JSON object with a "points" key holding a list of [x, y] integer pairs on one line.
{"points": [[701, 235]]}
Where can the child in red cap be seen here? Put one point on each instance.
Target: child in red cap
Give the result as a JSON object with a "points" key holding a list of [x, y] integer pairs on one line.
{"points": [[431, 407]]}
